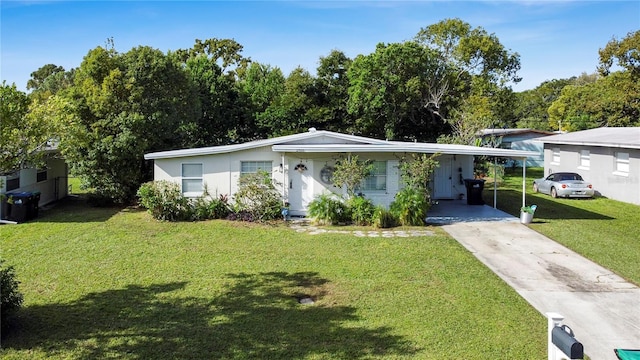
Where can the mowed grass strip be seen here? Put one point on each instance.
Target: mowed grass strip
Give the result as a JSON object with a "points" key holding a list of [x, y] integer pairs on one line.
{"points": [[603, 230], [112, 282]]}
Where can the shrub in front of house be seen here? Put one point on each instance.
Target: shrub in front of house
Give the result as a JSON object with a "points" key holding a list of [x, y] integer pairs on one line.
{"points": [[361, 210], [10, 296], [205, 208], [383, 218], [410, 206], [328, 209], [258, 197], [164, 201]]}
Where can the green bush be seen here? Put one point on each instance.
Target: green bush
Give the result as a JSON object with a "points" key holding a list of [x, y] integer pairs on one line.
{"points": [[164, 201], [210, 208], [361, 210], [328, 209], [258, 196], [11, 298], [383, 218], [410, 206]]}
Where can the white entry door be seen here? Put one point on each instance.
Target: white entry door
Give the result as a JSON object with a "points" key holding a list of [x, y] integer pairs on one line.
{"points": [[443, 180], [300, 187]]}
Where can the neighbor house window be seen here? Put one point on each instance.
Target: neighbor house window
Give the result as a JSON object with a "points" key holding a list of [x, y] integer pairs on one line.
{"points": [[252, 167], [192, 183], [13, 181], [585, 160], [41, 175], [622, 163], [555, 159], [377, 179]]}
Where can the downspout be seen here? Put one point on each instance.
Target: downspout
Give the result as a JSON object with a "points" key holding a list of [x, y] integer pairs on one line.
{"points": [[284, 179], [524, 180]]}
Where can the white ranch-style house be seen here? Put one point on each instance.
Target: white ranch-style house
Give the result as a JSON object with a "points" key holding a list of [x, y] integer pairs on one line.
{"points": [[302, 164]]}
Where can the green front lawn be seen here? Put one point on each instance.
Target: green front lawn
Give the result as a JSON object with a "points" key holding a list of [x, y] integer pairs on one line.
{"points": [[603, 230], [114, 283]]}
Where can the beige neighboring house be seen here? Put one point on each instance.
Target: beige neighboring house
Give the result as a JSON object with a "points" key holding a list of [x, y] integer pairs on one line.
{"points": [[608, 157], [51, 181], [302, 165]]}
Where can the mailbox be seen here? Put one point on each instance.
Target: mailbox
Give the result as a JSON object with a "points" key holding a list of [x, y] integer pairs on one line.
{"points": [[562, 337]]}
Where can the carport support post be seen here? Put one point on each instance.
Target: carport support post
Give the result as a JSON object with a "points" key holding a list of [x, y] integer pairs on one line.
{"points": [[524, 182], [495, 182], [554, 319]]}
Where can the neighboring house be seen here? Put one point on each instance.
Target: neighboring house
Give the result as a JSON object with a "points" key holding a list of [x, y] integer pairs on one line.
{"points": [[304, 162], [518, 139], [50, 181], [608, 157]]}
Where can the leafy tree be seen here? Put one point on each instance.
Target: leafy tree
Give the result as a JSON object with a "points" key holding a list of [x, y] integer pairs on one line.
{"points": [[476, 68], [390, 92], [350, 172], [39, 76], [27, 128], [260, 87], [331, 94], [217, 104], [288, 113], [225, 52], [128, 104], [625, 53]]}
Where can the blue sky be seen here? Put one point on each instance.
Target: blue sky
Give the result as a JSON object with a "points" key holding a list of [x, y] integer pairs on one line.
{"points": [[555, 39]]}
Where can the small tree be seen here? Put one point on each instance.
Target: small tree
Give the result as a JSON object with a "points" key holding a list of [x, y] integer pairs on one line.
{"points": [[349, 172], [416, 173], [257, 195]]}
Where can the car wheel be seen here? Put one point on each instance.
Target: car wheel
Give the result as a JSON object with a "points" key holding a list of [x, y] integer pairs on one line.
{"points": [[554, 193], [535, 187]]}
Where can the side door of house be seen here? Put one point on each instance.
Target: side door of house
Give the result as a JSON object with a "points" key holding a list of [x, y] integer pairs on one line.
{"points": [[300, 187], [443, 180]]}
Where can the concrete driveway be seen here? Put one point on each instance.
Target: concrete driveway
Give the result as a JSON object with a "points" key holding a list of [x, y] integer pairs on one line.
{"points": [[602, 308]]}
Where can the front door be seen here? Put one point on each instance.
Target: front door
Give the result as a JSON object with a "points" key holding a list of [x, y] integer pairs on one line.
{"points": [[443, 180], [300, 186]]}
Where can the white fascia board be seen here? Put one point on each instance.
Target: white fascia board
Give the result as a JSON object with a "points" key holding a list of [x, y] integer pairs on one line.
{"points": [[408, 147], [590, 143]]}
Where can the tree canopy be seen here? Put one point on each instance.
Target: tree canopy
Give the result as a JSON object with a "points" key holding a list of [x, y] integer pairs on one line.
{"points": [[447, 83]]}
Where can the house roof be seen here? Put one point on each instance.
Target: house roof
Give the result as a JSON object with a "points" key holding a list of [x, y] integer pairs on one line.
{"points": [[618, 137], [504, 132], [321, 141]]}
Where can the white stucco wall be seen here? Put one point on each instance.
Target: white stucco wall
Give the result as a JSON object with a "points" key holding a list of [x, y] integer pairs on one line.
{"points": [[222, 171]]}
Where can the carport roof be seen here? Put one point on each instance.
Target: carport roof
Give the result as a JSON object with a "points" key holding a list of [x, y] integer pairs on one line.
{"points": [[395, 147]]}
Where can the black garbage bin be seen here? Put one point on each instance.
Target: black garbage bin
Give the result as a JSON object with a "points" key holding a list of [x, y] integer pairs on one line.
{"points": [[33, 207], [474, 191], [19, 204]]}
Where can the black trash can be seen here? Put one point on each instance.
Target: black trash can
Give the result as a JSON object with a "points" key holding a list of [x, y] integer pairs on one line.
{"points": [[19, 206], [474, 191], [32, 211]]}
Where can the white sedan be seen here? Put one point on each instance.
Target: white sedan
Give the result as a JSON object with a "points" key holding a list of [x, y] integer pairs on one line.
{"points": [[564, 184]]}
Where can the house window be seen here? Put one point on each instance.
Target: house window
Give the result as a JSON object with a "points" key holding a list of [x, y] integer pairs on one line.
{"points": [[13, 181], [622, 163], [555, 159], [585, 160], [377, 179], [252, 167], [41, 175], [192, 184]]}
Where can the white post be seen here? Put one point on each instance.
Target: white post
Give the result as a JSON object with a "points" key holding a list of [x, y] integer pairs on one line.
{"points": [[554, 320], [495, 182], [524, 181]]}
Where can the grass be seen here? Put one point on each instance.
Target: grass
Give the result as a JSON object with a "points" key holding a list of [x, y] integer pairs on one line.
{"points": [[111, 282], [600, 229]]}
